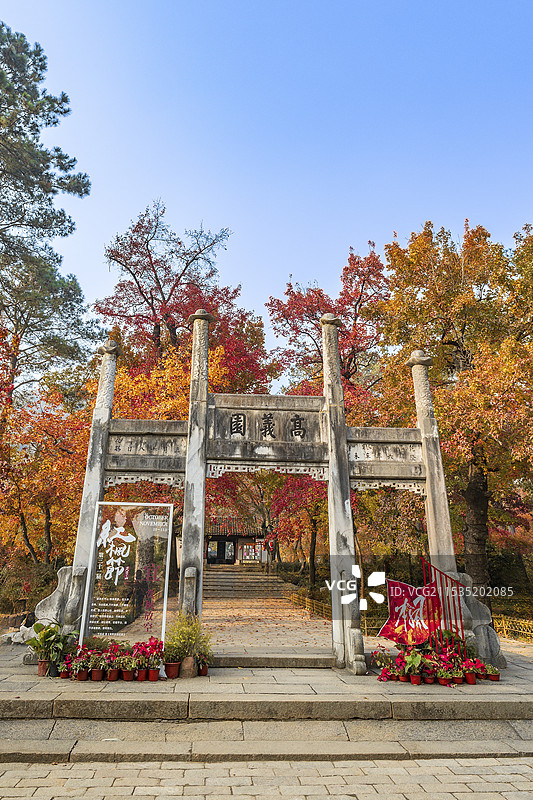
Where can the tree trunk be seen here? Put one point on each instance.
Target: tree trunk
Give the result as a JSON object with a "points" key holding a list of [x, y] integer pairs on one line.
{"points": [[26, 538], [156, 338], [476, 531], [47, 534]]}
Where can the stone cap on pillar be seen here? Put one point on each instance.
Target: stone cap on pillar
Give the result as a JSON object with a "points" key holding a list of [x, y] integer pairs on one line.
{"points": [[110, 348], [330, 319], [418, 357], [201, 314]]}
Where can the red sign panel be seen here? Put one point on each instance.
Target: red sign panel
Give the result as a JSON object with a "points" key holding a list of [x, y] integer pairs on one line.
{"points": [[414, 612]]}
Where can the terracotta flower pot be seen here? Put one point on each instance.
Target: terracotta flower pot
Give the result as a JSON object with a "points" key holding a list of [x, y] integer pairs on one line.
{"points": [[64, 674], [42, 668], [403, 678], [481, 676], [416, 680], [393, 677], [141, 674], [203, 670], [470, 677], [172, 669], [429, 679], [112, 674], [82, 675], [443, 681], [97, 674], [153, 674], [494, 677], [127, 674], [458, 680]]}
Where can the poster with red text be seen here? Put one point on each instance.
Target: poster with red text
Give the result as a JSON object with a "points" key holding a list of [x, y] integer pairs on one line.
{"points": [[414, 612], [126, 592]]}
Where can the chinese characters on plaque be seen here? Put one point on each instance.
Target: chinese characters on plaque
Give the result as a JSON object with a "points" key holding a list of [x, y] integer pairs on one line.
{"points": [[126, 592], [269, 426]]}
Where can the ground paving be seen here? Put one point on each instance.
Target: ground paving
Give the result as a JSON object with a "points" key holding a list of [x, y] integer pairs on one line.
{"points": [[414, 779], [256, 732]]}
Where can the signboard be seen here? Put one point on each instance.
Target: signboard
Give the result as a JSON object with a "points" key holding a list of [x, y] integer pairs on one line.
{"points": [[127, 585], [414, 612]]}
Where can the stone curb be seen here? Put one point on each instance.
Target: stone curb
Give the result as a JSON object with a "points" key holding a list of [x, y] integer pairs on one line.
{"points": [[274, 661], [125, 707], [283, 707], [203, 706], [457, 708], [37, 751]]}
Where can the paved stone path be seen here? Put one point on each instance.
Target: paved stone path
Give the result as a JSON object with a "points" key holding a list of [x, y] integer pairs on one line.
{"points": [[245, 625], [273, 624], [431, 779]]}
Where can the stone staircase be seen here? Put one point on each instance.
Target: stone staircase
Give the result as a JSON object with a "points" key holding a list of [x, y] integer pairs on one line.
{"points": [[222, 582]]}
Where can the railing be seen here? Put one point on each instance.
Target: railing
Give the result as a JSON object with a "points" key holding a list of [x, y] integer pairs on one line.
{"points": [[446, 614], [510, 627], [370, 623], [513, 627], [314, 606]]}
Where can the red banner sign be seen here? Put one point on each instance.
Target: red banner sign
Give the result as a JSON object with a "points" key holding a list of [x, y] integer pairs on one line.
{"points": [[414, 612]]}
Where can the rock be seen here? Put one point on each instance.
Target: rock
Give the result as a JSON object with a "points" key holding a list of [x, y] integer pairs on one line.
{"points": [[188, 668], [22, 636]]}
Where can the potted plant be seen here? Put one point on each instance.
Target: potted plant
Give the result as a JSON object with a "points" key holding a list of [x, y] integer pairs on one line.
{"points": [[457, 675], [80, 665], [127, 663], [413, 661], [202, 660], [469, 671], [65, 667], [155, 657], [444, 675], [140, 652], [399, 664], [429, 667], [480, 669], [109, 658], [96, 664], [187, 635], [43, 644], [393, 672], [493, 673], [172, 657]]}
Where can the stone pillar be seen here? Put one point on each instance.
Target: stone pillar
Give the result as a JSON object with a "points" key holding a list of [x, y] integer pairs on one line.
{"points": [[192, 553], [441, 549], [93, 487], [347, 639]]}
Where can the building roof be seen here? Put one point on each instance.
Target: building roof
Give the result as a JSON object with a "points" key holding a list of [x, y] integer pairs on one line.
{"points": [[232, 526]]}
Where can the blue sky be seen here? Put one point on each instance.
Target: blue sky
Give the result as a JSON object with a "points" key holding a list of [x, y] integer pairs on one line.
{"points": [[303, 126]]}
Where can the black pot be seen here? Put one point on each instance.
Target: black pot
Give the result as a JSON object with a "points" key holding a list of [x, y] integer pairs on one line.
{"points": [[53, 670]]}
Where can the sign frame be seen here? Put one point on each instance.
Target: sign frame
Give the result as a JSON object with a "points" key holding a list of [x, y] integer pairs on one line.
{"points": [[91, 570]]}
